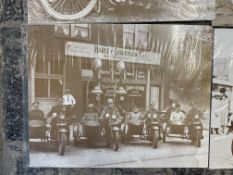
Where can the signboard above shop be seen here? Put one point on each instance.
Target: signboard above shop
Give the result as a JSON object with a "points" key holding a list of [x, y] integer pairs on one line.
{"points": [[93, 51]]}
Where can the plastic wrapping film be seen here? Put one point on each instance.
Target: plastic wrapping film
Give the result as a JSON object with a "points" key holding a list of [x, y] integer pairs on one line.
{"points": [[143, 70], [224, 13], [222, 101], [50, 11]]}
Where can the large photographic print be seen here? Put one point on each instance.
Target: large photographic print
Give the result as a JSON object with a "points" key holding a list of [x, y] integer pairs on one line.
{"points": [[221, 147], [224, 13], [53, 11], [119, 95]]}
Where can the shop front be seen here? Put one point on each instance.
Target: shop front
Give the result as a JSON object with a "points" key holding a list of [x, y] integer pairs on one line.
{"points": [[93, 73], [121, 74]]}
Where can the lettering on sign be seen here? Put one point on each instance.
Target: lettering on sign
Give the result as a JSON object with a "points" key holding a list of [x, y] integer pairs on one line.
{"points": [[106, 52]]}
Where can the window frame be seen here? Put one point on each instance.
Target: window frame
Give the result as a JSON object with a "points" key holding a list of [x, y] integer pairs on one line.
{"points": [[48, 76]]}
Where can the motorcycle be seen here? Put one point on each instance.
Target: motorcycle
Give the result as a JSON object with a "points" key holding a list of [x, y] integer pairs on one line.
{"points": [[114, 129], [136, 128], [74, 9], [195, 129], [60, 133], [190, 128], [154, 129]]}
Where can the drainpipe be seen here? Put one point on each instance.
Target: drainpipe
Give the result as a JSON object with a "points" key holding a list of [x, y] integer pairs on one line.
{"points": [[148, 89]]}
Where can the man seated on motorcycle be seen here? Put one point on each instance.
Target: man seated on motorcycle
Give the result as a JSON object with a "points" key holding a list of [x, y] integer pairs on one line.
{"points": [[177, 115], [90, 123], [91, 115], [136, 116], [194, 114], [108, 111], [152, 115], [69, 103]]}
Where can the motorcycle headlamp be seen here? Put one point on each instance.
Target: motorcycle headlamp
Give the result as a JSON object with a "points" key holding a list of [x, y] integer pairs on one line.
{"points": [[154, 116], [114, 116], [62, 116], [107, 115], [196, 116]]}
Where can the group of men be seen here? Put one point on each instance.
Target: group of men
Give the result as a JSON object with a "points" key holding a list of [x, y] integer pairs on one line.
{"points": [[173, 112]]}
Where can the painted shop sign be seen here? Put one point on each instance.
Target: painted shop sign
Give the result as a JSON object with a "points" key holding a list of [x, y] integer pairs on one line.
{"points": [[106, 52], [135, 91]]}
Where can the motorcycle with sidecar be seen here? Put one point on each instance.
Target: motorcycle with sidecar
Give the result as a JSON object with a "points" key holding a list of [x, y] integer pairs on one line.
{"points": [[56, 133], [189, 128], [146, 129]]}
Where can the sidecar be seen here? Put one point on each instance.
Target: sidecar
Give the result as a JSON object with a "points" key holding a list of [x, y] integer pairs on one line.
{"points": [[38, 131]]}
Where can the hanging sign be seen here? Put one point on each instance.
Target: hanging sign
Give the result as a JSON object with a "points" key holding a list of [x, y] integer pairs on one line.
{"points": [[106, 52]]}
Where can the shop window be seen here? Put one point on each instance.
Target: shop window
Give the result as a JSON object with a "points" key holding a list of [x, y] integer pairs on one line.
{"points": [[106, 69], [56, 88], [41, 88], [62, 29], [142, 36], [135, 35], [42, 65], [80, 31], [49, 79], [56, 67], [86, 63], [128, 35], [130, 71]]}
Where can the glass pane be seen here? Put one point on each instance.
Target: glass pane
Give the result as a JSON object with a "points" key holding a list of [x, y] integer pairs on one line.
{"points": [[86, 63], [80, 32], [128, 39], [143, 28], [142, 39], [62, 29], [41, 65], [41, 88], [56, 67], [56, 88], [129, 28]]}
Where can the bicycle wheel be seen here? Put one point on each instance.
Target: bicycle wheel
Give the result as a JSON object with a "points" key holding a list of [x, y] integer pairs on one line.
{"points": [[68, 9], [118, 2]]}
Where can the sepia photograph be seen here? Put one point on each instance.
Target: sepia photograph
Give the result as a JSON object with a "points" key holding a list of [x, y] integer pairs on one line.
{"points": [[221, 143], [224, 13], [119, 95], [85, 11]]}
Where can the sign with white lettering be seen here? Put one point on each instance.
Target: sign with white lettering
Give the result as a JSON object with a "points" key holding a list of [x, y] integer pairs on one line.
{"points": [[106, 52], [135, 91]]}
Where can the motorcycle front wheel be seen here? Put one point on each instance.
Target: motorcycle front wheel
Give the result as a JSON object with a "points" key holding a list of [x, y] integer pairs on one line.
{"points": [[198, 138], [155, 139], [62, 144], [116, 141], [68, 9]]}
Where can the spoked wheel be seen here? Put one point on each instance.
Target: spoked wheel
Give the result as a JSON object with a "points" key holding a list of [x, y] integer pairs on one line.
{"points": [[164, 136], [155, 139], [116, 141], [62, 144], [68, 9], [98, 7], [118, 2]]}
